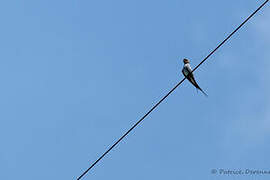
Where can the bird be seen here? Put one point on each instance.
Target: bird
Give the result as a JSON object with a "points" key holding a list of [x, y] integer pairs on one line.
{"points": [[187, 72]]}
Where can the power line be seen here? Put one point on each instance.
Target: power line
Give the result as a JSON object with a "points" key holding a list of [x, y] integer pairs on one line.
{"points": [[170, 92]]}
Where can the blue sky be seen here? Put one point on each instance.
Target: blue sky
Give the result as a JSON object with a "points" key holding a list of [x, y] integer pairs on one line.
{"points": [[75, 75]]}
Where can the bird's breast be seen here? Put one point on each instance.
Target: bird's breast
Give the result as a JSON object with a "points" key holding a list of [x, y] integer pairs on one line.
{"points": [[185, 71]]}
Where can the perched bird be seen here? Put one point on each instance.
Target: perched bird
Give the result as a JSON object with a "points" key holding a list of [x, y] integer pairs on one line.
{"points": [[187, 72]]}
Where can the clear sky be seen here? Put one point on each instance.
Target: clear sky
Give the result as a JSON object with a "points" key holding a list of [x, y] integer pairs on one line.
{"points": [[75, 75]]}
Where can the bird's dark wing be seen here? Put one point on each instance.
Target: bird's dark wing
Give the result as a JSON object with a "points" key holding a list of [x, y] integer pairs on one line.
{"points": [[191, 79]]}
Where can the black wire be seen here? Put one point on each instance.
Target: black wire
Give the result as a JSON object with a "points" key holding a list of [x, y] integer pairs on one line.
{"points": [[169, 93]]}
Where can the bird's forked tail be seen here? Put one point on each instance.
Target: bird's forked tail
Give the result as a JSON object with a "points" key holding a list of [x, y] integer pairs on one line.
{"points": [[202, 91]]}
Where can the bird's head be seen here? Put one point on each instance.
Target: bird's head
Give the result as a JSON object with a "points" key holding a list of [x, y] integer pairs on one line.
{"points": [[186, 61]]}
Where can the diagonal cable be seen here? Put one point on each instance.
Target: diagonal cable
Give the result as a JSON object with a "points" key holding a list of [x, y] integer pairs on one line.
{"points": [[212, 52]]}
